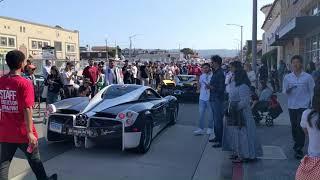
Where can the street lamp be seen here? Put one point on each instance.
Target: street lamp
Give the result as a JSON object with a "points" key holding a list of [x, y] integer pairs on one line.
{"points": [[130, 46], [238, 45], [241, 28]]}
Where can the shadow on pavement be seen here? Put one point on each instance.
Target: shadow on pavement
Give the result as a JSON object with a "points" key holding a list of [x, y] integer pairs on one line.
{"points": [[48, 150]]}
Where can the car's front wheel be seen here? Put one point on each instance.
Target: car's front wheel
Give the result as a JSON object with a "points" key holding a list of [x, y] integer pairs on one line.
{"points": [[174, 116], [146, 138]]}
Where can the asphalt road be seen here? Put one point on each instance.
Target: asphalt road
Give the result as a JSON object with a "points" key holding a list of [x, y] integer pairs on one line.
{"points": [[175, 154]]}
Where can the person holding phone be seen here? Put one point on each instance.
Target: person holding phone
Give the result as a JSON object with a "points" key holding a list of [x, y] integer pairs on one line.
{"points": [[16, 125], [204, 103], [68, 81], [298, 86]]}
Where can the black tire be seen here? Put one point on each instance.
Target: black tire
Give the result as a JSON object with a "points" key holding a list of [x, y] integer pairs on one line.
{"points": [[146, 138], [174, 116]]}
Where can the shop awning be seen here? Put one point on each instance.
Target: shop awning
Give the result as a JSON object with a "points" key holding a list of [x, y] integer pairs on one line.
{"points": [[298, 26], [275, 41]]}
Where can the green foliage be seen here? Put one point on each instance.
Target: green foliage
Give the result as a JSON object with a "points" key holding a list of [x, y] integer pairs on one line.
{"points": [[187, 51]]}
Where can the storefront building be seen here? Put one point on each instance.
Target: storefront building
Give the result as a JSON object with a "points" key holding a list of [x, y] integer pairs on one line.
{"points": [[30, 37], [299, 31], [270, 50]]}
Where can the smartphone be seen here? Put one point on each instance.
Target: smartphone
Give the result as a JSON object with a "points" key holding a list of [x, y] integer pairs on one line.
{"points": [[30, 148]]}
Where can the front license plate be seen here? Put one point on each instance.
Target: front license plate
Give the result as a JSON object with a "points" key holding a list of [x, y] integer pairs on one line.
{"points": [[81, 132], [55, 127]]}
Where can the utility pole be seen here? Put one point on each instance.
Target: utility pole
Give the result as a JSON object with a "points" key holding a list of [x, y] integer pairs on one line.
{"points": [[241, 48], [241, 41], [179, 53], [116, 55], [107, 55], [254, 36], [130, 46]]}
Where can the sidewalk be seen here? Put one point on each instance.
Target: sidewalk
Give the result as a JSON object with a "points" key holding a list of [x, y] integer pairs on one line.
{"points": [[274, 167]]}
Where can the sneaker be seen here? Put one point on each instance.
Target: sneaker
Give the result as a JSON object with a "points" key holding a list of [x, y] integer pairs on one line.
{"points": [[199, 132], [217, 145], [209, 131], [53, 177], [214, 140], [212, 137]]}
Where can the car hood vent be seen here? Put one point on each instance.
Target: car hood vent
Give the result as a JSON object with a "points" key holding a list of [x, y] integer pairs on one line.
{"points": [[68, 111], [105, 115]]}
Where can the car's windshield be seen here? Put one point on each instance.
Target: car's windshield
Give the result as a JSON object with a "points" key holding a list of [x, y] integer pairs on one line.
{"points": [[117, 91], [185, 78]]}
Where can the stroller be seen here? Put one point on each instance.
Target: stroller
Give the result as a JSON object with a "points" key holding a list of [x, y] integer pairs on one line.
{"points": [[270, 112]]}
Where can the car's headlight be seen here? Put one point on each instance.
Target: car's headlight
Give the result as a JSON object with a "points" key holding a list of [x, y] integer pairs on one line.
{"points": [[50, 110], [128, 117]]}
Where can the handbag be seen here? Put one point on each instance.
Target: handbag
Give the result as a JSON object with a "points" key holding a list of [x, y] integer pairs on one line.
{"points": [[234, 116]]}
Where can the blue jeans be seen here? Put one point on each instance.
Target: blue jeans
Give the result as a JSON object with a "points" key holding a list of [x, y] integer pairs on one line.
{"points": [[217, 107], [203, 106], [52, 97]]}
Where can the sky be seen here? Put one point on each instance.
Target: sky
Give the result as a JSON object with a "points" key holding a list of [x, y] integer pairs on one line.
{"points": [[164, 24]]}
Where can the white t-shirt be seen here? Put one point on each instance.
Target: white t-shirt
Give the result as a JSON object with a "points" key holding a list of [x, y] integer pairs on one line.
{"points": [[252, 77], [203, 80], [228, 81], [65, 76], [134, 70], [313, 133]]}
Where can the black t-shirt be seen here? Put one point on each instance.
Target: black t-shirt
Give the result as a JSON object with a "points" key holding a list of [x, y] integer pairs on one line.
{"points": [[56, 84], [126, 73], [144, 72]]}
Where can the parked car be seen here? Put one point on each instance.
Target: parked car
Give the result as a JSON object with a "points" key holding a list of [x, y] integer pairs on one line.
{"points": [[168, 87], [186, 86], [133, 114]]}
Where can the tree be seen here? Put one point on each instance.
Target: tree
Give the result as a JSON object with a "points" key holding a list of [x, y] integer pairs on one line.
{"points": [[186, 52]]}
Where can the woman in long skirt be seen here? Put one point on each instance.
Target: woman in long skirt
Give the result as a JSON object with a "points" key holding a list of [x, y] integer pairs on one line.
{"points": [[242, 140]]}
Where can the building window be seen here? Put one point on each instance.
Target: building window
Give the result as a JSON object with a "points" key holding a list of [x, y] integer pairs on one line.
{"points": [[12, 42], [20, 28], [312, 49], [3, 41], [45, 44], [70, 48], [24, 29], [34, 44], [58, 46], [39, 44]]}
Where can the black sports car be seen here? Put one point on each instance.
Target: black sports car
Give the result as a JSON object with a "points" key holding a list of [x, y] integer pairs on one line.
{"points": [[133, 114], [186, 86]]}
